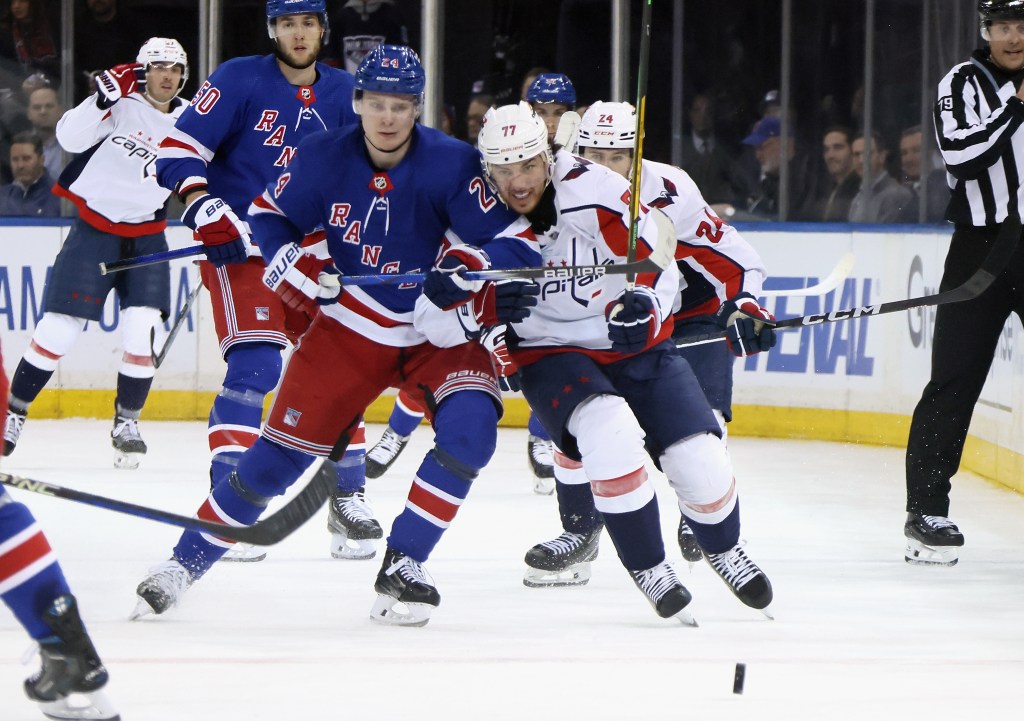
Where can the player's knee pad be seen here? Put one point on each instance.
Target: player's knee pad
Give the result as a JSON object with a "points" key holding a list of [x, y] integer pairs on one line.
{"points": [[268, 469], [466, 429], [136, 325], [609, 437], [700, 472], [253, 367], [55, 334], [568, 471]]}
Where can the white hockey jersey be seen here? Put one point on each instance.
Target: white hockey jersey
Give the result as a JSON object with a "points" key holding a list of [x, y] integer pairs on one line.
{"points": [[112, 181], [715, 262]]}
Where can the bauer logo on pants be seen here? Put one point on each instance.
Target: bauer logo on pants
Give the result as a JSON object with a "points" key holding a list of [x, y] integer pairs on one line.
{"points": [[291, 417]]}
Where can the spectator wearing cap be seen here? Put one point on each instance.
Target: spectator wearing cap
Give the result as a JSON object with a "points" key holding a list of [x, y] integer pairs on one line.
{"points": [[762, 202], [883, 199]]}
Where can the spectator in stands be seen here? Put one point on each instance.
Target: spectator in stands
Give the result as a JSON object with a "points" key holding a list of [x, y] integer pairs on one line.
{"points": [[762, 201], [478, 105], [29, 194], [705, 158], [913, 165], [105, 35], [883, 199], [832, 203], [26, 37], [44, 110]]}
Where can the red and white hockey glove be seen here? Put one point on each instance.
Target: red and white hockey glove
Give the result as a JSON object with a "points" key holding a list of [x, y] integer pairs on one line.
{"points": [[116, 83], [633, 320], [303, 281], [744, 323], [225, 238], [505, 301], [445, 287], [493, 339]]}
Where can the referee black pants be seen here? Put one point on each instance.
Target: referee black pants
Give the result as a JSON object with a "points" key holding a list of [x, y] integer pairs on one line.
{"points": [[966, 336]]}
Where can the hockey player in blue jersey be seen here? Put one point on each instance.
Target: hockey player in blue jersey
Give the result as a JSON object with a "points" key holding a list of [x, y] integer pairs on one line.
{"points": [[387, 194], [240, 131], [33, 586]]}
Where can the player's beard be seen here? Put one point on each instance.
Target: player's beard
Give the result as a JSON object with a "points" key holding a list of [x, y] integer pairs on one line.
{"points": [[283, 57]]}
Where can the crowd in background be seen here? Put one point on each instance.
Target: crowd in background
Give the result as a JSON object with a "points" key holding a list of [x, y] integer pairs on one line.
{"points": [[731, 137]]}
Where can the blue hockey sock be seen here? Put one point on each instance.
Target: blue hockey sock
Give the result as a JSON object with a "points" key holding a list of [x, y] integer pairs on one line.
{"points": [[637, 536], [131, 395], [536, 429], [352, 470], [30, 576], [404, 420], [717, 537], [26, 384]]}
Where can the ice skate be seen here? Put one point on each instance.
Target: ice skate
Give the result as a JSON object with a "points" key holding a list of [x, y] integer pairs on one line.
{"points": [[688, 543], [385, 453], [244, 553], [542, 464], [665, 592], [562, 561], [743, 577], [932, 541], [13, 426], [69, 684], [354, 530], [406, 594], [161, 589], [129, 448]]}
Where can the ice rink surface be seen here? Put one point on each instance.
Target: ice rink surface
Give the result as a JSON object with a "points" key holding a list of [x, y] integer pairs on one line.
{"points": [[859, 634]]}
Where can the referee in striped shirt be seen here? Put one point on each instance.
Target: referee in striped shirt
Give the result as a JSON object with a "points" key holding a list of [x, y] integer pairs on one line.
{"points": [[979, 118]]}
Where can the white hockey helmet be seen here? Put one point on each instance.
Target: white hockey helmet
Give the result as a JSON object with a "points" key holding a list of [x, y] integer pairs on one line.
{"points": [[608, 125], [164, 50], [512, 133]]}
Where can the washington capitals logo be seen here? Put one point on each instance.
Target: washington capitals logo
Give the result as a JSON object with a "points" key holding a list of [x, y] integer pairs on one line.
{"points": [[578, 169], [667, 195], [306, 95]]}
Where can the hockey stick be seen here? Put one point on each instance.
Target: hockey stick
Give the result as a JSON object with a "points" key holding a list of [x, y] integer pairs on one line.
{"points": [[152, 259], [638, 150], [1002, 250], [272, 529], [158, 358], [840, 273]]}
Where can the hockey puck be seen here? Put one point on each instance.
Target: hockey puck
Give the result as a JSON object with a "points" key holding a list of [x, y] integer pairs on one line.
{"points": [[738, 676]]}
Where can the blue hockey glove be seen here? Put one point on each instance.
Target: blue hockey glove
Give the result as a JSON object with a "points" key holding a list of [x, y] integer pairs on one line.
{"points": [[505, 301], [225, 238], [445, 287], [633, 320], [493, 339], [743, 321]]}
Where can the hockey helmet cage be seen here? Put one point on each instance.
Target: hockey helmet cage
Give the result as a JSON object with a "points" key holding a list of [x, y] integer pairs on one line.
{"points": [[277, 8], [991, 10], [391, 69], [608, 125], [552, 88], [164, 50]]}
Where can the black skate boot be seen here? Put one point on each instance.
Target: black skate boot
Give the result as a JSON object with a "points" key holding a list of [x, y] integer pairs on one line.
{"points": [[13, 425], [385, 453], [70, 665], [663, 589], [129, 448], [743, 577], [931, 540], [541, 454], [402, 581], [562, 561], [688, 543], [354, 530]]}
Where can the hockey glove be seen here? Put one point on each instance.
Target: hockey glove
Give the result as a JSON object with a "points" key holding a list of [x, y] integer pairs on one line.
{"points": [[225, 238], [505, 301], [445, 287], [493, 339], [743, 321], [633, 320], [302, 280], [116, 83]]}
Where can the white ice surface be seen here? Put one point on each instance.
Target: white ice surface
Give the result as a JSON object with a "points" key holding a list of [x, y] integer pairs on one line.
{"points": [[858, 633]]}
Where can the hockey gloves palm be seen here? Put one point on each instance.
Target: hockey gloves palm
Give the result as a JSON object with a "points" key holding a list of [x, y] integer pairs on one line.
{"points": [[303, 281], [633, 320], [744, 323], [493, 339], [116, 83], [505, 301], [445, 286], [225, 238]]}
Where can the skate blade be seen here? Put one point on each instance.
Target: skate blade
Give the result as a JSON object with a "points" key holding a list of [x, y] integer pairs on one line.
{"points": [[919, 554], [127, 461], [348, 549], [576, 575], [244, 553], [543, 486], [93, 706], [768, 613], [686, 618], [142, 608], [390, 611]]}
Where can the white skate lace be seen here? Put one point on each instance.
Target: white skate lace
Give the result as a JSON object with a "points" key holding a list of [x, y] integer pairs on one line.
{"points": [[126, 429], [657, 581], [734, 566], [389, 446], [542, 451], [565, 543], [170, 577], [410, 571], [13, 425], [937, 522], [354, 508]]}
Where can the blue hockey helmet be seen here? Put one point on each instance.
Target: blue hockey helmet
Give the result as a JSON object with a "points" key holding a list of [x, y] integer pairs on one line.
{"points": [[392, 69], [277, 8], [552, 88]]}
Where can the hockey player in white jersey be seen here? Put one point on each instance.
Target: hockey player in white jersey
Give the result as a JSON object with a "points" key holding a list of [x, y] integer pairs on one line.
{"points": [[720, 272], [121, 213]]}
